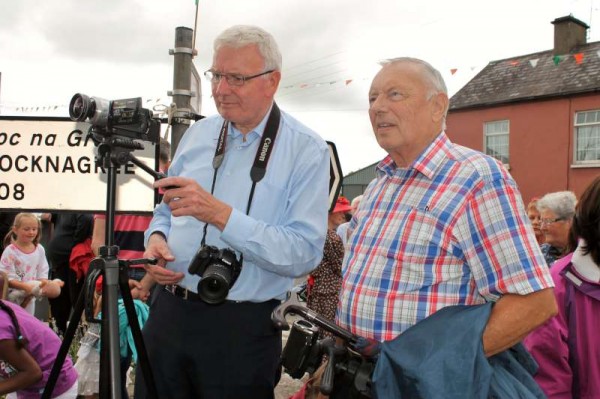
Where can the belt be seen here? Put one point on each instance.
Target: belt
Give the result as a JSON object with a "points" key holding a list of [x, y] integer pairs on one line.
{"points": [[183, 293]]}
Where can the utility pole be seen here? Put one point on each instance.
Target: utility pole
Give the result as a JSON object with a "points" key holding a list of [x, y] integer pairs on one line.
{"points": [[181, 93]]}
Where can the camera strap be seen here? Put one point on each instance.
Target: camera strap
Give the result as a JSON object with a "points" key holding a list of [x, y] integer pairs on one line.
{"points": [[263, 153]]}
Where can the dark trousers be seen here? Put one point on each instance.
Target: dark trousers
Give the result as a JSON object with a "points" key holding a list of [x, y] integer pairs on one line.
{"points": [[62, 305], [196, 350]]}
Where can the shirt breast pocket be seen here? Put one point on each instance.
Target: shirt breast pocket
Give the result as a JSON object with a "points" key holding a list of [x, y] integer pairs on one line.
{"points": [[421, 236], [269, 203]]}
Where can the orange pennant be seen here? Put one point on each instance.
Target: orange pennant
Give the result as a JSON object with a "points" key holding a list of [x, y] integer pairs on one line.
{"points": [[578, 58], [453, 70]]}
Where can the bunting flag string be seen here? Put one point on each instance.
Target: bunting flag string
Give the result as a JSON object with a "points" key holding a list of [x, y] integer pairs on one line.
{"points": [[579, 59], [62, 109], [556, 59]]}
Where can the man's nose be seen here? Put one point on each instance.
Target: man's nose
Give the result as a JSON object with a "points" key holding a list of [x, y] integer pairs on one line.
{"points": [[377, 104], [222, 86]]}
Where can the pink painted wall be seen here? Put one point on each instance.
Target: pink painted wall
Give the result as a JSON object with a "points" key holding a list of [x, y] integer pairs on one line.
{"points": [[540, 141]]}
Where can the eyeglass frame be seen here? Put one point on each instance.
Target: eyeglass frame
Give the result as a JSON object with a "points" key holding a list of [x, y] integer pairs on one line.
{"points": [[550, 221], [232, 77]]}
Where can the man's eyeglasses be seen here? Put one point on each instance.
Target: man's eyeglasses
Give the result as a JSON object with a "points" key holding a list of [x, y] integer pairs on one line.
{"points": [[550, 221], [232, 79]]}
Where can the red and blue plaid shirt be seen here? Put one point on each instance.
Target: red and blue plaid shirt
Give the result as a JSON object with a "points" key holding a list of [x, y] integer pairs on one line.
{"points": [[450, 229]]}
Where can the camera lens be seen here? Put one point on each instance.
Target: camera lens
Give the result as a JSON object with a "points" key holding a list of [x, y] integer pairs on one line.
{"points": [[214, 286], [80, 107]]}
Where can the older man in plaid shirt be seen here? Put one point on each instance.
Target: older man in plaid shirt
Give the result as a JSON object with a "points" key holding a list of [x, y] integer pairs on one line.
{"points": [[441, 224]]}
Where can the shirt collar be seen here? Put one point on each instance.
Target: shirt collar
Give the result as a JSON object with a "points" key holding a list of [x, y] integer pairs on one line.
{"points": [[584, 264], [427, 162], [258, 130]]}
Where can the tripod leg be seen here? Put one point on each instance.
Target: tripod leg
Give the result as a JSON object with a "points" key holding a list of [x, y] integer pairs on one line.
{"points": [[110, 354], [64, 347], [137, 338]]}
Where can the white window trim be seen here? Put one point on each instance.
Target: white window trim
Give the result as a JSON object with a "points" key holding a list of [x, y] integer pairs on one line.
{"points": [[485, 135], [582, 164]]}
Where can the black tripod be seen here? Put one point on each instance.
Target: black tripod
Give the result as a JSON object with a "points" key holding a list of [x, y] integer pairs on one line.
{"points": [[112, 152]]}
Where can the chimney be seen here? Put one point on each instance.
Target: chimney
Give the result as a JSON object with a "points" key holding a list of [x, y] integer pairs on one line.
{"points": [[569, 32]]}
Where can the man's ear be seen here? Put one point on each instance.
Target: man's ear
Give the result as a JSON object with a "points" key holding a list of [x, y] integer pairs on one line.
{"points": [[274, 79], [440, 106]]}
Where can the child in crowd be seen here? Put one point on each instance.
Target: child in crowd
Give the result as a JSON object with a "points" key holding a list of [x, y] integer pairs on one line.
{"points": [[28, 351], [88, 355], [24, 261]]}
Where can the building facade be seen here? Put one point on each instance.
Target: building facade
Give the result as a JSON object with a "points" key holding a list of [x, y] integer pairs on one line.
{"points": [[538, 113]]}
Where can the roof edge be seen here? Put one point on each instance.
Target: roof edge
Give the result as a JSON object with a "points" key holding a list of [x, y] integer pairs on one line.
{"points": [[524, 99]]}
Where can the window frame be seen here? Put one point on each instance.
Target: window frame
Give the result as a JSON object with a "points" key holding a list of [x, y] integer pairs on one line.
{"points": [[506, 133], [576, 126]]}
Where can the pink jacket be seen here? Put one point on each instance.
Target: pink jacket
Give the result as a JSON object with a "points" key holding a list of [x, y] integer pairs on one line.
{"points": [[549, 344]]}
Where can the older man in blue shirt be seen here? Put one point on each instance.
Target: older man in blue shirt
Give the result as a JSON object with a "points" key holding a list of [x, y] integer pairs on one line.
{"points": [[275, 225]]}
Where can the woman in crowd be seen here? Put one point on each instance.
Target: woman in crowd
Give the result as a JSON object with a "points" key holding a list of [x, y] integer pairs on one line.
{"points": [[557, 210], [534, 216], [327, 277], [566, 347]]}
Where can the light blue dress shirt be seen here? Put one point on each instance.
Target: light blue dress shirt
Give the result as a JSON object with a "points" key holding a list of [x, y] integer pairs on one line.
{"points": [[284, 234]]}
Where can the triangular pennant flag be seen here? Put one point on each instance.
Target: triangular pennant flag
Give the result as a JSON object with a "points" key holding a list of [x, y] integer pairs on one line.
{"points": [[598, 52], [534, 62], [453, 70], [303, 85], [578, 58], [514, 63], [557, 59], [348, 81]]}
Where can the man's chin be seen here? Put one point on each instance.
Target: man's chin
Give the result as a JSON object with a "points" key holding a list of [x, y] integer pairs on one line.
{"points": [[227, 111]]}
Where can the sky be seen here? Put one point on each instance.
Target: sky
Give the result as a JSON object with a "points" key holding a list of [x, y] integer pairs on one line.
{"points": [[115, 49]]}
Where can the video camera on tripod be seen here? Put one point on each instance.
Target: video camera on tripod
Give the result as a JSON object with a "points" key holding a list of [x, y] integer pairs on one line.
{"points": [[349, 364], [124, 117]]}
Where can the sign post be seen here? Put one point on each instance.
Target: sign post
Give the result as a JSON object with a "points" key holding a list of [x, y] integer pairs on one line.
{"points": [[335, 175]]}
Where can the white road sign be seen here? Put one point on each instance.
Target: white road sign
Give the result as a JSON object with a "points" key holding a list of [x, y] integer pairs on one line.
{"points": [[48, 164]]}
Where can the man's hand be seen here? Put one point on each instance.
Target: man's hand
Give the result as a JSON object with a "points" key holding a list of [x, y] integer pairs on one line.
{"points": [[185, 197], [158, 248], [138, 291]]}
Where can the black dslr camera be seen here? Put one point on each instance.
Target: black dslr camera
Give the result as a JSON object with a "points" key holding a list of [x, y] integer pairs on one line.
{"points": [[124, 117], [219, 269]]}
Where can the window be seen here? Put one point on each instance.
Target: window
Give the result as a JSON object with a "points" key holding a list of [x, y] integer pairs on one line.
{"points": [[496, 140], [587, 137]]}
